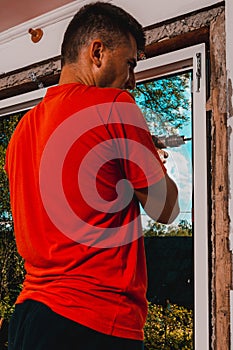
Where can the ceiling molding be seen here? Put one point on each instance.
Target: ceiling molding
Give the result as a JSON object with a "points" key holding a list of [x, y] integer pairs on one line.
{"points": [[49, 18]]}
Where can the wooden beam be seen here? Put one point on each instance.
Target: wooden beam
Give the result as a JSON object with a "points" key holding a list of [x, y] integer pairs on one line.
{"points": [[178, 42], [22, 81]]}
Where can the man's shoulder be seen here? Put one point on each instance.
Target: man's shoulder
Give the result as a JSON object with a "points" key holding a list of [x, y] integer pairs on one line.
{"points": [[120, 95], [110, 94], [91, 93]]}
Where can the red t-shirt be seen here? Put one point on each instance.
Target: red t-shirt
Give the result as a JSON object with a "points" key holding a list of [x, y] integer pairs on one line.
{"points": [[77, 222]]}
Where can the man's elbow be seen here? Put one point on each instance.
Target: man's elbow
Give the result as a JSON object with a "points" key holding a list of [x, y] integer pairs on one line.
{"points": [[168, 216]]}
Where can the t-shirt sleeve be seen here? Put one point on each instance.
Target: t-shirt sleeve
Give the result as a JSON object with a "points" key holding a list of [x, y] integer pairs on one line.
{"points": [[140, 161]]}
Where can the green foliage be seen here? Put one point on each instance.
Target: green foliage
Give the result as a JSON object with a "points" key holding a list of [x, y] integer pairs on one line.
{"points": [[11, 273], [11, 264], [155, 229], [168, 328], [7, 126], [164, 103]]}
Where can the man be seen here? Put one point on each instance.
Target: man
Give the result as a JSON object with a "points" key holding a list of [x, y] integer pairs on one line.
{"points": [[79, 164]]}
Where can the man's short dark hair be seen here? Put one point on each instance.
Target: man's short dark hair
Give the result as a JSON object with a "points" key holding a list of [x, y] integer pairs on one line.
{"points": [[100, 20]]}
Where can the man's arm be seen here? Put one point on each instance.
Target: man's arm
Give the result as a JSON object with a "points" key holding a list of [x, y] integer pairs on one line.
{"points": [[160, 201]]}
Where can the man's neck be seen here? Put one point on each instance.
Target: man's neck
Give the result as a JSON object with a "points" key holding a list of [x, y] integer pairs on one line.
{"points": [[72, 73]]}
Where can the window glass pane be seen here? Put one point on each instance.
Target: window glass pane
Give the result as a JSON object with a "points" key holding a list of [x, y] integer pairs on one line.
{"points": [[167, 106]]}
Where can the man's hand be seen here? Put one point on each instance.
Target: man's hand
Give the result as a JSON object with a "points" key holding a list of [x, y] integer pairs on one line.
{"points": [[160, 146]]}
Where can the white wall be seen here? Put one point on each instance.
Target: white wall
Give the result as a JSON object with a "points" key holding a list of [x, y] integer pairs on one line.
{"points": [[152, 11], [17, 49]]}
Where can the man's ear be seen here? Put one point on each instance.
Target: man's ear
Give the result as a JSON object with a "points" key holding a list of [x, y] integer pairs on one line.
{"points": [[96, 52]]}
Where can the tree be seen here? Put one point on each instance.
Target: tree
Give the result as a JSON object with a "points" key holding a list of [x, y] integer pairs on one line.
{"points": [[155, 229], [164, 103], [11, 264]]}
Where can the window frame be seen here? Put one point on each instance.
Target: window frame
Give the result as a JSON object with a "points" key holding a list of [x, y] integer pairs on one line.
{"points": [[21, 102], [157, 67]]}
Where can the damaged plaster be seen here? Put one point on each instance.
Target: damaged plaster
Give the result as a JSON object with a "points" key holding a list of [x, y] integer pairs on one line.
{"points": [[47, 72], [182, 26]]}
